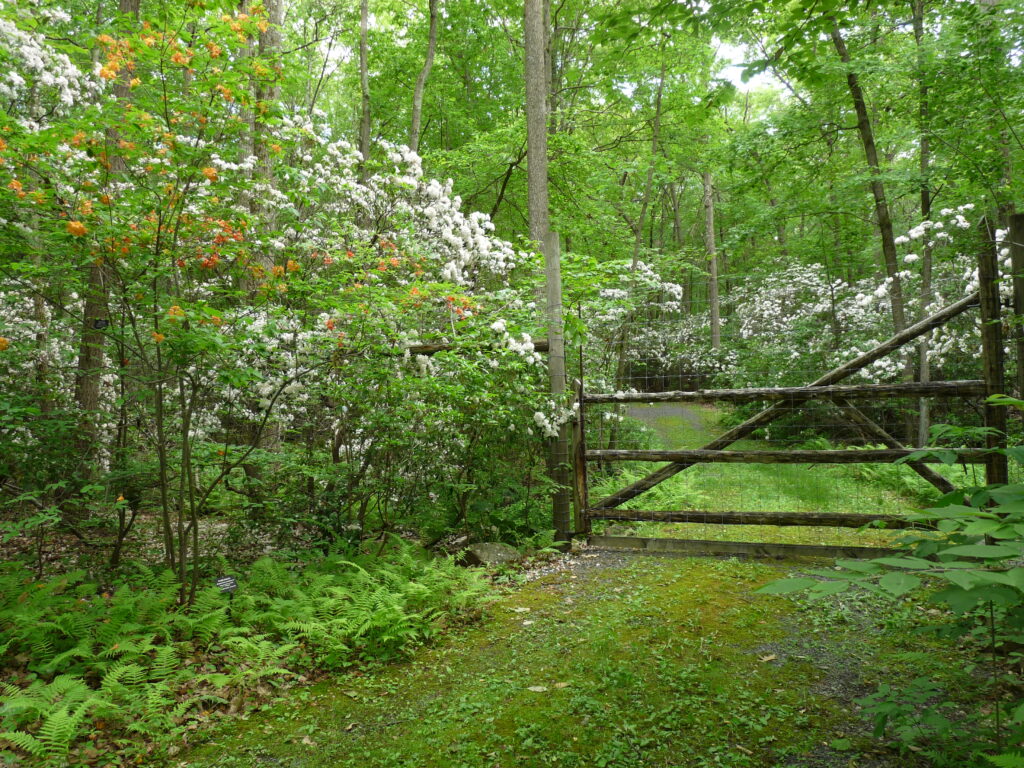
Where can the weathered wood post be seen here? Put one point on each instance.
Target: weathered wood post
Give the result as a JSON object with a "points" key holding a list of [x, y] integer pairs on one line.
{"points": [[992, 354], [1016, 238]]}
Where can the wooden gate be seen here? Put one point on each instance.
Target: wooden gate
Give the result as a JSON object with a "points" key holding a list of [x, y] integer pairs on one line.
{"points": [[827, 387]]}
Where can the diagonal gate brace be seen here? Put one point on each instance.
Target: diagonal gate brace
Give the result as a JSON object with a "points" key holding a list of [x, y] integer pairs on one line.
{"points": [[776, 410]]}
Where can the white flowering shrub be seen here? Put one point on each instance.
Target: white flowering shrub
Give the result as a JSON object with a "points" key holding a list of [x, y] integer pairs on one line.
{"points": [[259, 302]]}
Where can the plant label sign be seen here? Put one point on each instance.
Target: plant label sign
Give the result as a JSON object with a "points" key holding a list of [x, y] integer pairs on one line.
{"points": [[227, 584]]}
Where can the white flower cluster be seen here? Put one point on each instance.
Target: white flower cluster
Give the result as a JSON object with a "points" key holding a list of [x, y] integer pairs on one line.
{"points": [[38, 82]]}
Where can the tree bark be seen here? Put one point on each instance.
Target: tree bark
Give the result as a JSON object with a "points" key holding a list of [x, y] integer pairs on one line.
{"points": [[536, 71], [421, 80], [867, 137], [924, 168], [709, 246]]}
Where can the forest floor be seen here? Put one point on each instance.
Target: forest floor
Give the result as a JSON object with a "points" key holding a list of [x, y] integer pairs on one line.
{"points": [[619, 661], [616, 661]]}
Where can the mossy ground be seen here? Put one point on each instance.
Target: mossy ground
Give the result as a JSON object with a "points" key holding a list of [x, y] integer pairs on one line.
{"points": [[615, 662]]}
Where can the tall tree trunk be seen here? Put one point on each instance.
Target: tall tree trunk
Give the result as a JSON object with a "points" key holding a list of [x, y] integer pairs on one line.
{"points": [[421, 80], [364, 87], [536, 70], [649, 182], [924, 167], [709, 246], [867, 137], [94, 316]]}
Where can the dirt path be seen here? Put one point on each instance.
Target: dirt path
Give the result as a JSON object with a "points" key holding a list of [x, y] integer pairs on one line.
{"points": [[608, 661]]}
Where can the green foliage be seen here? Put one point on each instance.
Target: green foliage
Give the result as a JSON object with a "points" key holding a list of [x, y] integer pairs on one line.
{"points": [[966, 559], [134, 658]]}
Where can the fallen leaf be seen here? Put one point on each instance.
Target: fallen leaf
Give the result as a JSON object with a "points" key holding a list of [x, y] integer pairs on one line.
{"points": [[350, 726], [538, 688], [527, 623], [521, 609], [308, 741], [351, 694], [562, 685], [769, 657]]}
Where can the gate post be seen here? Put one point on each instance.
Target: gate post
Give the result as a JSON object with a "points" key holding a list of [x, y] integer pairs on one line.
{"points": [[992, 354]]}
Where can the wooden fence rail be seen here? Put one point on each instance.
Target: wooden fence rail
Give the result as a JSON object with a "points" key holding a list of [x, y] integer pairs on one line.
{"points": [[968, 388], [702, 456], [829, 519]]}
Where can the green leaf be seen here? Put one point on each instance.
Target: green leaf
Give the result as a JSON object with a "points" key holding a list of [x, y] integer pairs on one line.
{"points": [[898, 583], [985, 551], [784, 586], [963, 579], [904, 562]]}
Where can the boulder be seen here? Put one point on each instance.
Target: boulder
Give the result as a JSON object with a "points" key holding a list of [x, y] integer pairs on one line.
{"points": [[488, 553]]}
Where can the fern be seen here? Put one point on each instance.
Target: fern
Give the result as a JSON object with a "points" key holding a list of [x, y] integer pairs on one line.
{"points": [[1007, 760]]}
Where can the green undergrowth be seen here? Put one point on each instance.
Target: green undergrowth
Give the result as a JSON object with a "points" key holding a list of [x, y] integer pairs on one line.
{"points": [[668, 662], [97, 676]]}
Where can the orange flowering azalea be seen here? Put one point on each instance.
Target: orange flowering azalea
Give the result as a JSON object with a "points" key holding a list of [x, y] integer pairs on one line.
{"points": [[293, 266], [210, 172], [158, 337], [5, 343], [76, 228], [278, 271]]}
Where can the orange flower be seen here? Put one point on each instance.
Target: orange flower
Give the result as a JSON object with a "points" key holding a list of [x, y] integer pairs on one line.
{"points": [[330, 324], [76, 228], [328, 261], [158, 337], [216, 320], [121, 497], [3, 145], [15, 185], [278, 271], [210, 173], [394, 262], [293, 266], [134, 82], [214, 49], [5, 343], [175, 311]]}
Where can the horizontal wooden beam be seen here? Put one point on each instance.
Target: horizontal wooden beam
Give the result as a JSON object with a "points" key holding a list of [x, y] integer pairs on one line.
{"points": [[969, 388], [693, 547], [825, 519], [702, 456], [540, 345]]}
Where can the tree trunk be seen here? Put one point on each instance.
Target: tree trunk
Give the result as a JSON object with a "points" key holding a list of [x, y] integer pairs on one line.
{"points": [[649, 183], [535, 35], [364, 87], [94, 316], [421, 81], [709, 245], [924, 166], [867, 137]]}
